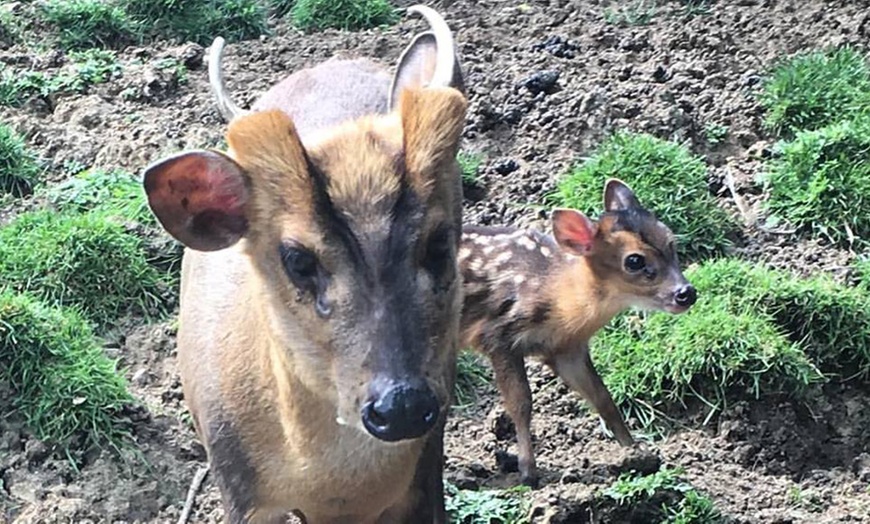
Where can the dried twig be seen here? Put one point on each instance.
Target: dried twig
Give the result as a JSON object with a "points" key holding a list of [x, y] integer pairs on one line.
{"points": [[191, 494]]}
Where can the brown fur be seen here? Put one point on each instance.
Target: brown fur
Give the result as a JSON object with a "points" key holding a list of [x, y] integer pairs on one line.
{"points": [[530, 294]]}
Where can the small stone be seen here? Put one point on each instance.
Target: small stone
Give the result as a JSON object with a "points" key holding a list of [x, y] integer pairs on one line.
{"points": [[505, 166], [542, 82]]}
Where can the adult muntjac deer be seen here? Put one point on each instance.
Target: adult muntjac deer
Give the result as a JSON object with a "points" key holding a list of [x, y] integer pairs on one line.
{"points": [[320, 296], [531, 294]]}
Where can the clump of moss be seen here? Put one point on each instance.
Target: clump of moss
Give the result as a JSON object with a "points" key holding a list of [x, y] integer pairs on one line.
{"points": [[667, 178], [67, 390]]}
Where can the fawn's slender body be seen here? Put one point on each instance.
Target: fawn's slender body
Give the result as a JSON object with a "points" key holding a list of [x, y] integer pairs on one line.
{"points": [[320, 299], [532, 294]]}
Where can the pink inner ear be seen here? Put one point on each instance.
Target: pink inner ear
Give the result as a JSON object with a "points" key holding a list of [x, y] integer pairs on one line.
{"points": [[573, 230], [200, 198]]}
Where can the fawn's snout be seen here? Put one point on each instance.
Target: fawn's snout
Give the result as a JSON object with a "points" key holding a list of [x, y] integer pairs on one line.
{"points": [[684, 297], [400, 410]]}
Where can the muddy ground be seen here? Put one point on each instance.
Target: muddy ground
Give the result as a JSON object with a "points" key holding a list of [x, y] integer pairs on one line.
{"points": [[771, 461]]}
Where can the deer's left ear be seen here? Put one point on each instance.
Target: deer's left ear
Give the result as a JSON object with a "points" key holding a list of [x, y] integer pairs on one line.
{"points": [[573, 231]]}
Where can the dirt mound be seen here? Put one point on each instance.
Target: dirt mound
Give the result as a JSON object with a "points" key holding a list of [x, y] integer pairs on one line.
{"points": [[547, 80]]}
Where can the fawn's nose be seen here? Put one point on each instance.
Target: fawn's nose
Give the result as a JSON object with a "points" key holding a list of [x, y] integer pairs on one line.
{"points": [[686, 296], [403, 410]]}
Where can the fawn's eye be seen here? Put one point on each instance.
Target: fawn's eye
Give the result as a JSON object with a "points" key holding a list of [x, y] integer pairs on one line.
{"points": [[634, 262]]}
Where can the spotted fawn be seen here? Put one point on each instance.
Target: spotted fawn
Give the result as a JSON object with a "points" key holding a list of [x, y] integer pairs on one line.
{"points": [[527, 293]]}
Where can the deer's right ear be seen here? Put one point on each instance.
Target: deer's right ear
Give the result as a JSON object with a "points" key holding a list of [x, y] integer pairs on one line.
{"points": [[200, 197], [573, 231]]}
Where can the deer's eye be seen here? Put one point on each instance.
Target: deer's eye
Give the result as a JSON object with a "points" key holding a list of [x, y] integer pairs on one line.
{"points": [[299, 263], [634, 262], [306, 273], [438, 260]]}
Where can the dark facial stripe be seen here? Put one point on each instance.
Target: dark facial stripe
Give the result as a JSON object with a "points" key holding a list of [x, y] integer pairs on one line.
{"points": [[330, 219]]}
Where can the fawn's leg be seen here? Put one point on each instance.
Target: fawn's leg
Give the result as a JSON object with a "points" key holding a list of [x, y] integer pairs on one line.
{"points": [[513, 384], [576, 369]]}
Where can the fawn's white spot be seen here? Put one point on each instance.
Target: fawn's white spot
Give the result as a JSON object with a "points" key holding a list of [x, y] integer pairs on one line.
{"points": [[519, 279], [464, 252], [526, 242], [488, 250], [505, 256], [546, 251]]}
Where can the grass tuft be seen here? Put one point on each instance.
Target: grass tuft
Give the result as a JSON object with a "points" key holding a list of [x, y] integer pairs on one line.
{"points": [[350, 15], [820, 182], [86, 68], [201, 21], [18, 166], [469, 164], [67, 390], [633, 13], [471, 375], [83, 260], [729, 345], [812, 90], [662, 497], [668, 179], [83, 24], [487, 506], [113, 193]]}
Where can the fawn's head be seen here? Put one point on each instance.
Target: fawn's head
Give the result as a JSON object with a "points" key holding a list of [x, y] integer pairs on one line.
{"points": [[631, 254], [353, 238]]}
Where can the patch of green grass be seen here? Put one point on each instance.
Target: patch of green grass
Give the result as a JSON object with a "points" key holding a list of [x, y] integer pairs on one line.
{"points": [[820, 182], [178, 69], [815, 89], [281, 7], [715, 133], [632, 13], [680, 503], [83, 24], [471, 375], [18, 165], [86, 68], [83, 260], [350, 15], [728, 345], [469, 164], [696, 7], [66, 389], [112, 192], [201, 21], [668, 180], [830, 321], [487, 506]]}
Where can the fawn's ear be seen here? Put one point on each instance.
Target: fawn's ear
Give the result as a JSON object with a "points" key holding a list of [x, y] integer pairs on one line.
{"points": [[618, 196], [200, 197], [573, 231]]}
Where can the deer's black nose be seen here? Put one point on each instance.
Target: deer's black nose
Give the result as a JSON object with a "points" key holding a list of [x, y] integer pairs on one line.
{"points": [[402, 410]]}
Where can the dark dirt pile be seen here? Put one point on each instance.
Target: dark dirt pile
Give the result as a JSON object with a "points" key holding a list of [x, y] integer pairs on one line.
{"points": [[547, 81]]}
